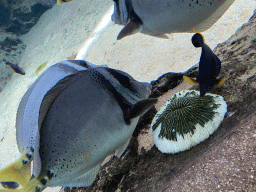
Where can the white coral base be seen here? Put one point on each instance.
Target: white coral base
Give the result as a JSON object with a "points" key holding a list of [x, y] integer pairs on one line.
{"points": [[189, 140]]}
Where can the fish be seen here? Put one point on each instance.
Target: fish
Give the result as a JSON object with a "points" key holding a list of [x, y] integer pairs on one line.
{"points": [[161, 17], [60, 2], [209, 67], [15, 68], [40, 68], [67, 125]]}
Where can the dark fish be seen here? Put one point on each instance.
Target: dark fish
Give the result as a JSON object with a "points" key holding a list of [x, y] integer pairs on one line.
{"points": [[209, 67], [15, 68]]}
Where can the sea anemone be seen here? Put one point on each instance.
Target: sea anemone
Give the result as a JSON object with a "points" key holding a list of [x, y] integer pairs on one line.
{"points": [[186, 120]]}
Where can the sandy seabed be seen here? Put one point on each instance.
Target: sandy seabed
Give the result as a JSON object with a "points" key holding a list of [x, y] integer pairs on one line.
{"points": [[62, 31]]}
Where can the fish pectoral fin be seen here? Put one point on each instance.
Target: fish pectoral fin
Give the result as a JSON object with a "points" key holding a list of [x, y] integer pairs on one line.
{"points": [[221, 81], [190, 80], [129, 29], [121, 149], [139, 108], [19, 171]]}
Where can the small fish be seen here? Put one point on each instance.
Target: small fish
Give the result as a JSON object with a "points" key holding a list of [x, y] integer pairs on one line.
{"points": [[40, 68], [15, 68], [209, 67], [67, 131], [59, 2], [158, 18]]}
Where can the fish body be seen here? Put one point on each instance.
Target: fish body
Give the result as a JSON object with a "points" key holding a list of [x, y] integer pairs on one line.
{"points": [[209, 67], [160, 17], [83, 118], [16, 68]]}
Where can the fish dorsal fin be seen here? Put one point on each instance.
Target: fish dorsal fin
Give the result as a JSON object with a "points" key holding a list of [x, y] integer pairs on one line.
{"points": [[206, 24], [129, 29], [54, 92], [139, 108]]}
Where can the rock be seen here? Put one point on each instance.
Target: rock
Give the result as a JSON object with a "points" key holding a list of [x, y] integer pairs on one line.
{"points": [[19, 17], [201, 168]]}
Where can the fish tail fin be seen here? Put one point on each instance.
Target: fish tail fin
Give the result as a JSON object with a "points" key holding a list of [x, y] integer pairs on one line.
{"points": [[190, 80], [19, 171], [221, 81], [198, 33]]}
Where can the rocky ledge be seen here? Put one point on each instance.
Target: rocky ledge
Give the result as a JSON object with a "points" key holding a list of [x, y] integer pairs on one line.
{"points": [[225, 161]]}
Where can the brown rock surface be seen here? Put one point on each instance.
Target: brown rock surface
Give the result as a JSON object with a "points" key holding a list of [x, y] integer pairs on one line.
{"points": [[224, 162]]}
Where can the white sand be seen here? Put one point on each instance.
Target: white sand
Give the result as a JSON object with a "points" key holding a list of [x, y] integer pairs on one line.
{"points": [[63, 30]]}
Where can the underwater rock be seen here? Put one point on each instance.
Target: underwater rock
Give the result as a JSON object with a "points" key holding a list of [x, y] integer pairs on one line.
{"points": [[213, 163], [19, 17]]}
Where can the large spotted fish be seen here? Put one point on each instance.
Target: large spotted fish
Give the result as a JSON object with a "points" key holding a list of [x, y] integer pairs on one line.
{"points": [[70, 119], [158, 17]]}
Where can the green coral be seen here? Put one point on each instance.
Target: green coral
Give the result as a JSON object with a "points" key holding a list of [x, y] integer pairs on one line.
{"points": [[182, 114]]}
